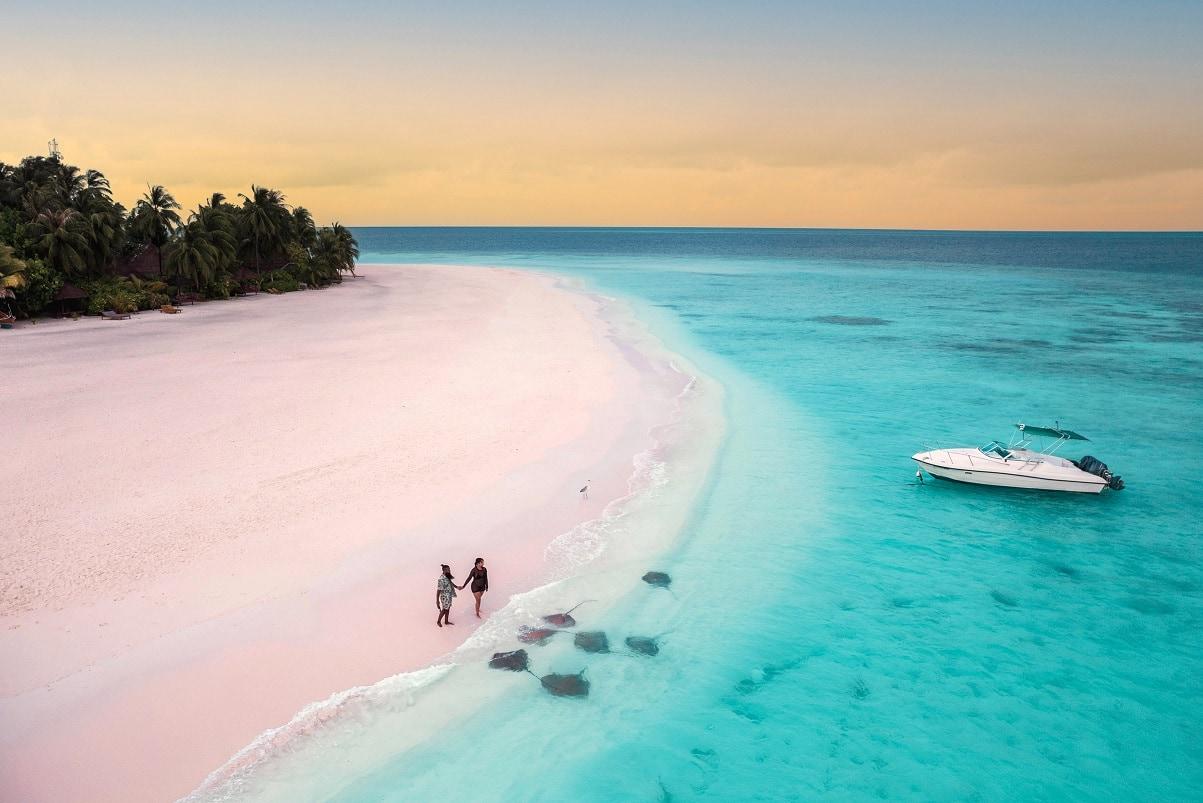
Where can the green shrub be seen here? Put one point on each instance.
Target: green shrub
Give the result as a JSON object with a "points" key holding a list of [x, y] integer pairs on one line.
{"points": [[16, 231], [282, 280], [41, 284], [118, 301], [219, 288], [146, 293], [156, 300], [117, 294], [125, 302]]}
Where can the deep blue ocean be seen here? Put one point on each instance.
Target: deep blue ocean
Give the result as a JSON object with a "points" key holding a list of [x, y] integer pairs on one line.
{"points": [[836, 629]]}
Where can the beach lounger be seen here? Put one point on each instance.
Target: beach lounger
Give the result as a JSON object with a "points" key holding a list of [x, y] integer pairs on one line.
{"points": [[170, 310], [110, 315]]}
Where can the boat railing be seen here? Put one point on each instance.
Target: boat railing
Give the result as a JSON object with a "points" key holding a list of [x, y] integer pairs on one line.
{"points": [[984, 460], [1022, 441]]}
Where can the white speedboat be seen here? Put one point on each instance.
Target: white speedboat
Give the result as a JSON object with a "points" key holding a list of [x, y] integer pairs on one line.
{"points": [[1015, 465]]}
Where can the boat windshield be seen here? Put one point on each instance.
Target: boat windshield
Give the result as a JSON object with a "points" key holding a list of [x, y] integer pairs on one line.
{"points": [[995, 448]]}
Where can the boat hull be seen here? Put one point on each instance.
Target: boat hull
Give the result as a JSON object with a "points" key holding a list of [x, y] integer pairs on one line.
{"points": [[987, 474]]}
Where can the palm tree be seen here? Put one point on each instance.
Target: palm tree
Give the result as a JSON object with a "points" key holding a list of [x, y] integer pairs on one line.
{"points": [[95, 182], [348, 248], [216, 220], [102, 221], [194, 255], [327, 259], [155, 218], [104, 227], [303, 229], [69, 183], [12, 271], [335, 251], [222, 235], [9, 186], [65, 247], [265, 219], [35, 198], [102, 230], [12, 275]]}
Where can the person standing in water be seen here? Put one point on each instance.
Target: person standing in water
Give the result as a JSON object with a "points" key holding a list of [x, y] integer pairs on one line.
{"points": [[443, 594], [479, 577]]}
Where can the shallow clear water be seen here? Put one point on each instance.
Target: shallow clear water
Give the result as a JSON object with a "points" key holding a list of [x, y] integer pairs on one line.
{"points": [[835, 628]]}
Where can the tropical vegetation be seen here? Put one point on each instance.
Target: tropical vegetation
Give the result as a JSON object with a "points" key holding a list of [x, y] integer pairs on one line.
{"points": [[60, 226]]}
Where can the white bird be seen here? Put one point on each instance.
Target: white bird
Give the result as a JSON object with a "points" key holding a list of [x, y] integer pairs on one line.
{"points": [[585, 490]]}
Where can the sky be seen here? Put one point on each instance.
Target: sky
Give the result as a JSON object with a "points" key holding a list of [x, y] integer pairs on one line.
{"points": [[945, 115]]}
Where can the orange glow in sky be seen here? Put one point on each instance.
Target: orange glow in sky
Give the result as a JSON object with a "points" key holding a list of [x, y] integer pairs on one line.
{"points": [[696, 115]]}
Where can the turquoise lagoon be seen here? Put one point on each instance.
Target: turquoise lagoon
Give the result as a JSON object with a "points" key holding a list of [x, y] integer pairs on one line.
{"points": [[836, 629]]}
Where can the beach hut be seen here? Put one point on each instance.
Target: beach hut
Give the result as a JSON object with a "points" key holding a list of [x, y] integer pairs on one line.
{"points": [[144, 264], [69, 296]]}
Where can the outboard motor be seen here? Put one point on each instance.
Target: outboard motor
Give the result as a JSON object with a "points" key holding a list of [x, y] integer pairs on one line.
{"points": [[1092, 465]]}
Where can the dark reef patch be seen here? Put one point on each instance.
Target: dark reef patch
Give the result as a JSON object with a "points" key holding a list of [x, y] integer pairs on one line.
{"points": [[1002, 345], [1003, 599], [850, 320], [1152, 607], [1067, 571]]}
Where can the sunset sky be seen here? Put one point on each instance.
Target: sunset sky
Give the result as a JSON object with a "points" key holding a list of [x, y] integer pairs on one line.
{"points": [[863, 114]]}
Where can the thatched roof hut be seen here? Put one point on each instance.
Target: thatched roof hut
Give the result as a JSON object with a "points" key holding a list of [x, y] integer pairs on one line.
{"points": [[69, 292], [145, 263], [69, 297]]}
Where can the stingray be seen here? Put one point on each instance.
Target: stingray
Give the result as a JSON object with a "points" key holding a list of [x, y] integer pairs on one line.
{"points": [[535, 635], [643, 645], [566, 685], [657, 579], [516, 661], [594, 641], [564, 619]]}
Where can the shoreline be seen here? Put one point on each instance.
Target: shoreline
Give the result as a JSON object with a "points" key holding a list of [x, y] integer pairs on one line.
{"points": [[369, 726], [324, 611]]}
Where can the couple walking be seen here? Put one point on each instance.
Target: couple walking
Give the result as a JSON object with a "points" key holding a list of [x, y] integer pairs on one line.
{"points": [[445, 591]]}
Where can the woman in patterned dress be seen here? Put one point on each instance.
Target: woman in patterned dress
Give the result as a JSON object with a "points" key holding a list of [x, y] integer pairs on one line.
{"points": [[443, 594]]}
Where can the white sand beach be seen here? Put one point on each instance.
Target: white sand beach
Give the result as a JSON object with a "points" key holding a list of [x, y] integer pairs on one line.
{"points": [[215, 518]]}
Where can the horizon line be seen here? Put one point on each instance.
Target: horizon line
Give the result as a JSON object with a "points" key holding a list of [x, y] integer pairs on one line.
{"points": [[883, 229]]}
